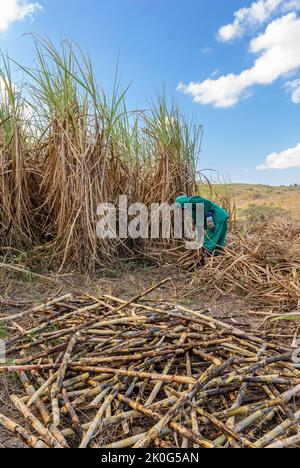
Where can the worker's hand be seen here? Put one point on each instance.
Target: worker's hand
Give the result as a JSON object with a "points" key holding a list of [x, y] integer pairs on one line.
{"points": [[210, 222]]}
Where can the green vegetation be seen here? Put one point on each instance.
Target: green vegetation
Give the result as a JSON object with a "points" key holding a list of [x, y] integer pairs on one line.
{"points": [[3, 333], [267, 201], [262, 214]]}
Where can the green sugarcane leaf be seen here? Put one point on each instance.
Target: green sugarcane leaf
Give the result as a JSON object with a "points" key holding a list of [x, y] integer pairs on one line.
{"points": [[288, 317]]}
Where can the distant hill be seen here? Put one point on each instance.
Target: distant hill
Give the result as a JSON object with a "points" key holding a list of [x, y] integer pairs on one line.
{"points": [[255, 202]]}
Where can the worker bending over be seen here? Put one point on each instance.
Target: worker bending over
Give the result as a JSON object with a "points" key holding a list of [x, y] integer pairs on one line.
{"points": [[215, 221]]}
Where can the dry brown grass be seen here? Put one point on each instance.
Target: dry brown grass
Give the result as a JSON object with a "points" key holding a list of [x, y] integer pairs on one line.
{"points": [[262, 263], [69, 147]]}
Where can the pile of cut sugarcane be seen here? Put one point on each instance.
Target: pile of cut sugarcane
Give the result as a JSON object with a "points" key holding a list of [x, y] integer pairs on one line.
{"points": [[106, 373]]}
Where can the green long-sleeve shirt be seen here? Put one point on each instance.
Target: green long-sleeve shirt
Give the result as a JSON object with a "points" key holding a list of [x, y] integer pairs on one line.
{"points": [[216, 239]]}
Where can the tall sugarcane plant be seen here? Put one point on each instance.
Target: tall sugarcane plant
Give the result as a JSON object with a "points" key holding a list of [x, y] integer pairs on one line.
{"points": [[17, 174], [67, 146]]}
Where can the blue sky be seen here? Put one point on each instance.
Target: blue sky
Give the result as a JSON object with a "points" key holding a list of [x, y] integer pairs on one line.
{"points": [[248, 101]]}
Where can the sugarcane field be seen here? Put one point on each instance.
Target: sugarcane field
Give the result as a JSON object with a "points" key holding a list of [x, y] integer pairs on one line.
{"points": [[149, 259]]}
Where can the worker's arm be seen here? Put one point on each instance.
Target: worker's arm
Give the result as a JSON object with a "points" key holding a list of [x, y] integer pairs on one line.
{"points": [[209, 211]]}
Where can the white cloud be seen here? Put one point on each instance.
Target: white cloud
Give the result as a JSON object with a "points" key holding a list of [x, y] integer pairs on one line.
{"points": [[254, 16], [293, 87], [15, 10], [279, 54], [290, 5], [287, 159]]}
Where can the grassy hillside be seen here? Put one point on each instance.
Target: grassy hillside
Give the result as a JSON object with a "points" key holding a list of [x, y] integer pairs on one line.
{"points": [[256, 202], [266, 199]]}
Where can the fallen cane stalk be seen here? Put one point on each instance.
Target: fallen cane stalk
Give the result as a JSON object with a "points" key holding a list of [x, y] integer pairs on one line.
{"points": [[42, 390], [126, 416], [44, 433], [285, 443], [38, 403], [129, 442], [247, 409], [74, 418], [55, 406], [65, 361], [228, 432], [242, 425], [141, 375], [145, 293], [56, 387], [159, 428], [34, 310], [166, 363], [30, 439], [188, 396], [97, 421]]}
